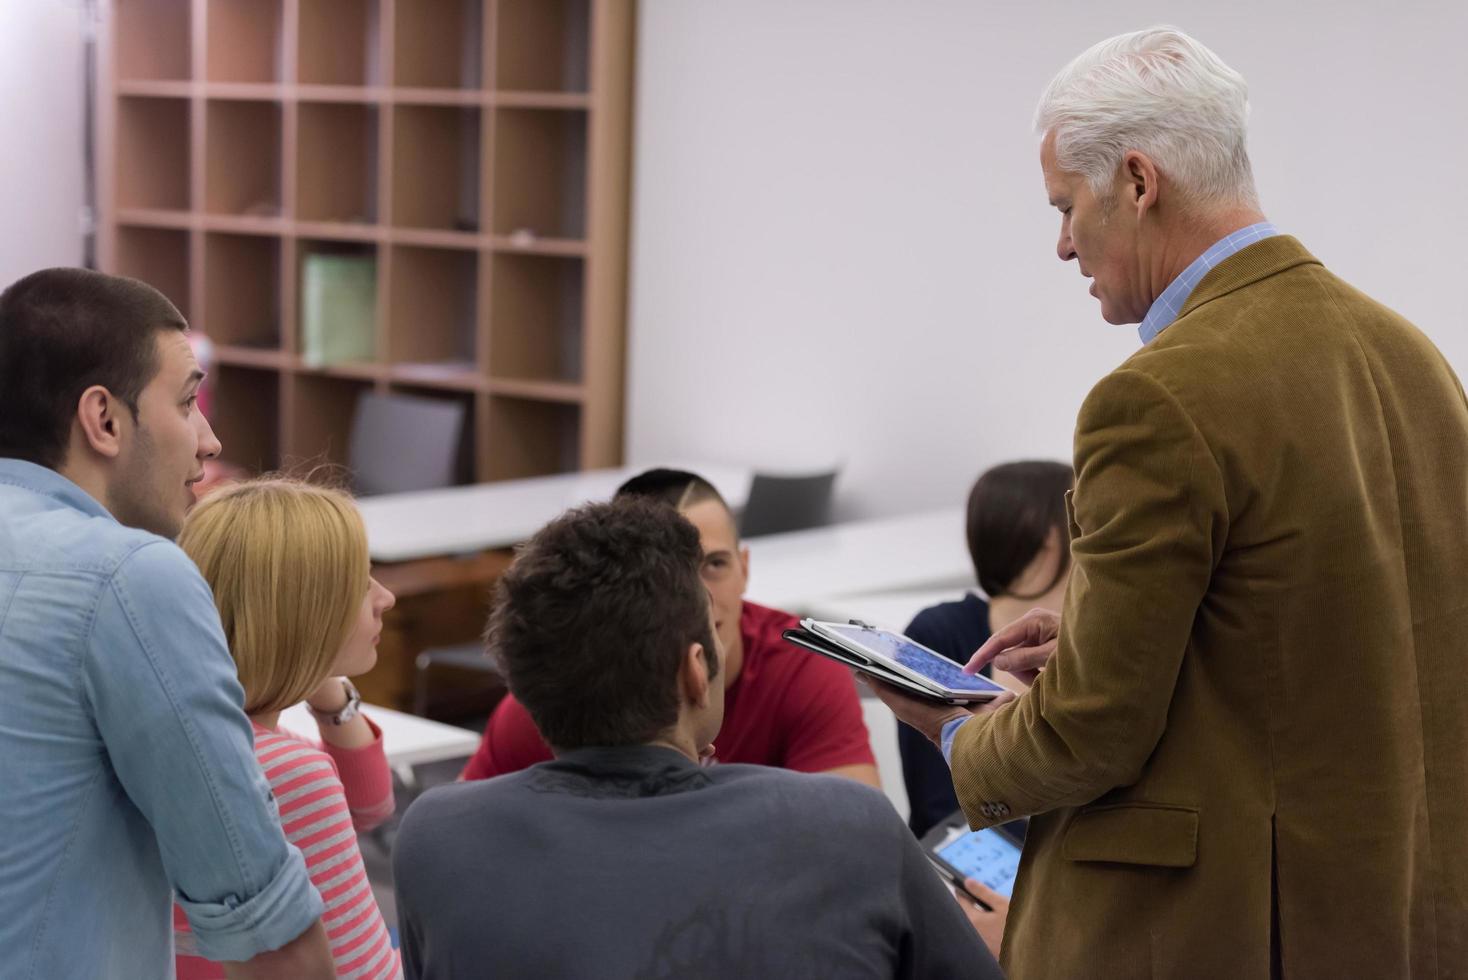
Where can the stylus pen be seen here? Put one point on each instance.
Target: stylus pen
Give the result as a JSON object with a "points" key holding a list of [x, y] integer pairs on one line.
{"points": [[977, 900], [957, 882]]}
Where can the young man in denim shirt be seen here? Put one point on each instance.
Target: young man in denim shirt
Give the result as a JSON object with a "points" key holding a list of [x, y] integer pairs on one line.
{"points": [[127, 763]]}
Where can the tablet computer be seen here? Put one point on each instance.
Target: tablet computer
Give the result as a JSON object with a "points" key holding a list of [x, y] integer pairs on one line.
{"points": [[895, 659], [990, 856]]}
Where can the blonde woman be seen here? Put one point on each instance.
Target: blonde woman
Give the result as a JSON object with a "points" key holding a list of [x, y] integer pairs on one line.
{"points": [[288, 565]]}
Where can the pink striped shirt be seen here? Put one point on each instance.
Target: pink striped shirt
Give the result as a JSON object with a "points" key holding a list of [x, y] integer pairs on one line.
{"points": [[326, 795]]}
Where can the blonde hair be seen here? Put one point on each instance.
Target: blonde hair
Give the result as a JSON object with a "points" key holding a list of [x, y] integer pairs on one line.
{"points": [[288, 565]]}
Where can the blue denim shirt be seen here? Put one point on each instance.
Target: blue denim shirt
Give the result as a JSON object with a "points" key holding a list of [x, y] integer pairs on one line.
{"points": [[127, 765]]}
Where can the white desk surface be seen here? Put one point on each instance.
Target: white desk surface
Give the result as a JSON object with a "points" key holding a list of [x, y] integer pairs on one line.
{"points": [[407, 739], [888, 610], [797, 570], [462, 520]]}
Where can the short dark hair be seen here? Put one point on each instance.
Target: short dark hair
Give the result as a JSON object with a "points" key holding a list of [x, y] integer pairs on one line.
{"points": [[61, 332], [1012, 509], [677, 488], [592, 621]]}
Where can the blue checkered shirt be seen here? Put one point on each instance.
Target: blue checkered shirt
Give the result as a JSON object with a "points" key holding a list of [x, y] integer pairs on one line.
{"points": [[1166, 307]]}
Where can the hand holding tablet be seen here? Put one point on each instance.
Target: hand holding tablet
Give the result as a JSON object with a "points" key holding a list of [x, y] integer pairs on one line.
{"points": [[896, 660]]}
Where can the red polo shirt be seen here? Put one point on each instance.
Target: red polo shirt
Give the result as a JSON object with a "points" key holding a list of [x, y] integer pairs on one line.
{"points": [[789, 708]]}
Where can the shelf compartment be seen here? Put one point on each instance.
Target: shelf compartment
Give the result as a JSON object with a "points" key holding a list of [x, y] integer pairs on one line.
{"points": [[242, 290], [338, 43], [152, 39], [337, 299], [539, 172], [542, 45], [254, 357], [323, 408], [159, 257], [438, 44], [244, 409], [535, 317], [432, 317], [153, 153], [436, 167], [242, 162], [244, 42], [166, 89], [527, 438], [146, 218], [336, 166]]}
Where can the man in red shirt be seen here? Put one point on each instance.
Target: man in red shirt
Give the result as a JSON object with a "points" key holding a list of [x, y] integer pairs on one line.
{"points": [[783, 706]]}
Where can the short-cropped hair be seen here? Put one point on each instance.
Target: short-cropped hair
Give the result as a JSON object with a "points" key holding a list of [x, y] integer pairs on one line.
{"points": [[1012, 510], [592, 620], [61, 332], [677, 488], [287, 562], [1162, 93]]}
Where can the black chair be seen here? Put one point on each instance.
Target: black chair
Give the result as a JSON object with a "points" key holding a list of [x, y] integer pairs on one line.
{"points": [[404, 442], [787, 503]]}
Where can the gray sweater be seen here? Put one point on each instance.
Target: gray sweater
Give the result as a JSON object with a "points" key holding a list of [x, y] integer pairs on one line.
{"points": [[637, 863]]}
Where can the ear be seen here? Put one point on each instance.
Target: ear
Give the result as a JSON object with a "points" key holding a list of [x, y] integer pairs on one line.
{"points": [[1139, 182], [744, 562], [99, 418], [693, 677]]}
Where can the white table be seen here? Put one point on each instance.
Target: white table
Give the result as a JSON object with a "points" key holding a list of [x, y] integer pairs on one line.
{"points": [[407, 739], [797, 570], [462, 520], [887, 610]]}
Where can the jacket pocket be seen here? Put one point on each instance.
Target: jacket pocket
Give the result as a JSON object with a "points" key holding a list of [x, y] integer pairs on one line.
{"points": [[1157, 834]]}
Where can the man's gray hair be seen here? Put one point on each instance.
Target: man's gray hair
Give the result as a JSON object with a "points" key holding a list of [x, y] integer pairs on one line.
{"points": [[1162, 93]]}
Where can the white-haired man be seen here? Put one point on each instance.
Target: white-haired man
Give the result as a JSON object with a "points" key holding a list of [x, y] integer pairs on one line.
{"points": [[1248, 750]]}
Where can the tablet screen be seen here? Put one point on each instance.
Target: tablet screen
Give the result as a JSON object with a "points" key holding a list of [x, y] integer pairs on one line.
{"points": [[917, 658], [986, 855]]}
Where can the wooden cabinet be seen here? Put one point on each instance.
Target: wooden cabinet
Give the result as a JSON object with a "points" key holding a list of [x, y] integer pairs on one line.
{"points": [[474, 152]]}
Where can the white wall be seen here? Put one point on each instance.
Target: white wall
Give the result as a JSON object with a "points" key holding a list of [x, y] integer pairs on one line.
{"points": [[841, 243], [41, 118]]}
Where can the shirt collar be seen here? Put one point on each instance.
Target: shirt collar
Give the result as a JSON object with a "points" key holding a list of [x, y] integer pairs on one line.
{"points": [[49, 483], [1166, 307]]}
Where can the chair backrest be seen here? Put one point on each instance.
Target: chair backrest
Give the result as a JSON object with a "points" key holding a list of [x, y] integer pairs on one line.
{"points": [[787, 503], [402, 442]]}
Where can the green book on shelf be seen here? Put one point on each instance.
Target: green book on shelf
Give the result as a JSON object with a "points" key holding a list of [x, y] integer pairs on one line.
{"points": [[338, 309]]}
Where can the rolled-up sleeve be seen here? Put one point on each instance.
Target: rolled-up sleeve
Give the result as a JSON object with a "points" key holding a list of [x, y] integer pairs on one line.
{"points": [[169, 709]]}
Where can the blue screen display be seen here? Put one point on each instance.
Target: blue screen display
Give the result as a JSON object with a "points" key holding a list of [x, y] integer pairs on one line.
{"points": [[917, 658], [985, 855]]}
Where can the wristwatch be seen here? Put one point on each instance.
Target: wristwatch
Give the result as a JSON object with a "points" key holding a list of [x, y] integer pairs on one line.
{"points": [[350, 710]]}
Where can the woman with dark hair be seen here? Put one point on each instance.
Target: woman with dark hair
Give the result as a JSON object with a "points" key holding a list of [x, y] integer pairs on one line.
{"points": [[1020, 546]]}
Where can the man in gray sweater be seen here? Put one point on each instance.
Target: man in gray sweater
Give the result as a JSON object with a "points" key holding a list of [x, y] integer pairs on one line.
{"points": [[627, 858]]}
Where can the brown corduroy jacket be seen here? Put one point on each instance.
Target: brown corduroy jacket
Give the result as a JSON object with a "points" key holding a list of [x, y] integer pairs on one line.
{"points": [[1249, 753]]}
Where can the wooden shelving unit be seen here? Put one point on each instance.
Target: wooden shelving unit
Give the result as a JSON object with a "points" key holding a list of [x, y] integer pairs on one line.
{"points": [[475, 151]]}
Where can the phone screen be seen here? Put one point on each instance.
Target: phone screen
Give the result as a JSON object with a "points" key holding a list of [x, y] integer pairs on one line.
{"points": [[918, 659], [985, 855]]}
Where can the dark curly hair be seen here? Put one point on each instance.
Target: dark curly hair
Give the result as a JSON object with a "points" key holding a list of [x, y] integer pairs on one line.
{"points": [[592, 620]]}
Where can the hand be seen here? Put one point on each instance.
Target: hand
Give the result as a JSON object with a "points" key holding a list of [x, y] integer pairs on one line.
{"points": [[329, 697], [989, 925], [928, 717], [1022, 648]]}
